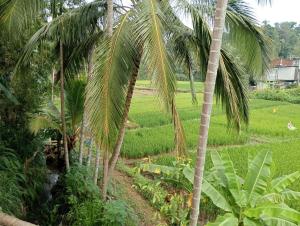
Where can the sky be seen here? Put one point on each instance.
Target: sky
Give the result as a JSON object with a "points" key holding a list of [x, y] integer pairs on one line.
{"points": [[279, 11]]}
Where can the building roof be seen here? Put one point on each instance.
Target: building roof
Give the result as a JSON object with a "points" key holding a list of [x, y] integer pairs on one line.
{"points": [[284, 62]]}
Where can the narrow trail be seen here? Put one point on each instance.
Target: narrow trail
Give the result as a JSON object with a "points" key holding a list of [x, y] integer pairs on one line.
{"points": [[142, 207]]}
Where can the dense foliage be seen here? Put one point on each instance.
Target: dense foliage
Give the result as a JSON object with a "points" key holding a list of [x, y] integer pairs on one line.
{"points": [[286, 38]]}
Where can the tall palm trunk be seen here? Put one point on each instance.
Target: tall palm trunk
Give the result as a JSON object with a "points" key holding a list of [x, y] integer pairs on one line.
{"points": [[109, 27], [213, 63], [52, 84], [89, 154], [62, 101], [97, 166], [83, 122], [113, 160]]}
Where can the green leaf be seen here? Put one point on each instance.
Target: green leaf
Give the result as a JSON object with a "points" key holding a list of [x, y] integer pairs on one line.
{"points": [[157, 169], [233, 180], [219, 168], [250, 222], [271, 221], [281, 212], [258, 175], [291, 195], [281, 183], [216, 197], [226, 220], [8, 94]]}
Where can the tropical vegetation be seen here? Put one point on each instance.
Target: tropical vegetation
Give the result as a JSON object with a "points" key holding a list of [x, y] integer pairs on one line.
{"points": [[73, 104]]}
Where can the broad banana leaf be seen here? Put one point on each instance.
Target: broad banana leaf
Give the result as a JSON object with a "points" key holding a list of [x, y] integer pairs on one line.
{"points": [[226, 220], [277, 212], [219, 168], [281, 183], [257, 176], [216, 197]]}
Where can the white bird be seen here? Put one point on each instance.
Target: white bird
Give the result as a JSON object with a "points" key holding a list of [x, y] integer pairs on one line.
{"points": [[291, 126]]}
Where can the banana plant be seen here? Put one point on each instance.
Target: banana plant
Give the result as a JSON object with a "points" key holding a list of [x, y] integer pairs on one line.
{"points": [[256, 200]]}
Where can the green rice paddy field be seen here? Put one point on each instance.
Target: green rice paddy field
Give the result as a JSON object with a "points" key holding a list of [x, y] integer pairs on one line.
{"points": [[267, 130]]}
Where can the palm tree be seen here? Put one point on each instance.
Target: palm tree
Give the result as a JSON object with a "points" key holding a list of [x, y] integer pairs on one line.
{"points": [[213, 64], [210, 83], [50, 116]]}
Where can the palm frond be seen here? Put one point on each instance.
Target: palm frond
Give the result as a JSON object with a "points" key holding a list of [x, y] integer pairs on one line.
{"points": [[231, 90], [106, 90], [150, 31], [74, 27], [16, 15], [41, 122], [8, 94], [75, 101], [244, 34]]}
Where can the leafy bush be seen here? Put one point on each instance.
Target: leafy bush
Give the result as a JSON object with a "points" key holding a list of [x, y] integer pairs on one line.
{"points": [[118, 213], [80, 185], [86, 206], [288, 95]]}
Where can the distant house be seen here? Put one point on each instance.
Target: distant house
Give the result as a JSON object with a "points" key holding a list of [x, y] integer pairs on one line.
{"points": [[284, 72]]}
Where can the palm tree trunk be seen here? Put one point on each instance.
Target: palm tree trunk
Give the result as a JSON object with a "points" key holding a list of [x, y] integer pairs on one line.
{"points": [[81, 139], [89, 154], [97, 166], [105, 175], [114, 158], [83, 123], [213, 64], [62, 100], [110, 18], [109, 27], [52, 85]]}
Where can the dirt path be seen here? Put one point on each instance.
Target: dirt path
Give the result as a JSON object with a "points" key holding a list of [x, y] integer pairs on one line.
{"points": [[142, 207]]}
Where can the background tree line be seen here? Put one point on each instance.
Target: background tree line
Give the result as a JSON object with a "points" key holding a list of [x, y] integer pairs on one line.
{"points": [[285, 37]]}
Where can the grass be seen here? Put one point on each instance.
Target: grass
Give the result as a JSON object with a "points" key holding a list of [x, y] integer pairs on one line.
{"points": [[155, 135], [152, 141], [181, 85]]}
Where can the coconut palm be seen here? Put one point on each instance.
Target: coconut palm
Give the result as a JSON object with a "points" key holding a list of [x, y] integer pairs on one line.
{"points": [[214, 63], [50, 116]]}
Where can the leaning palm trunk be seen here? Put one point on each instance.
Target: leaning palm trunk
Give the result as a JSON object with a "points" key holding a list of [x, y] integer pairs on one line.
{"points": [[97, 166], [7, 220], [213, 63], [105, 175], [62, 100], [83, 123], [113, 160], [88, 163], [81, 139], [110, 21]]}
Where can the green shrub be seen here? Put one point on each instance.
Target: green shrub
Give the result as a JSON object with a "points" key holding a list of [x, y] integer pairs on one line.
{"points": [[118, 213], [288, 95], [80, 185]]}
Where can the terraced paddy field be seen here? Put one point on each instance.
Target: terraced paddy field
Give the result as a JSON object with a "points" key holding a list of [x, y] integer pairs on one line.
{"points": [[153, 133]]}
